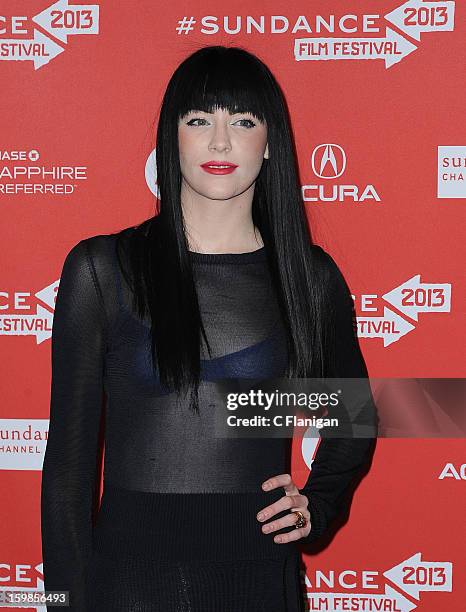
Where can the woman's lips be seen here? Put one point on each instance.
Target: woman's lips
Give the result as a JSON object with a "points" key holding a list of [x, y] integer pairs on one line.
{"points": [[219, 167]]}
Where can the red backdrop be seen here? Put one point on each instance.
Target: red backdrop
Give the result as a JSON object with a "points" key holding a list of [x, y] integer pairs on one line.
{"points": [[377, 99]]}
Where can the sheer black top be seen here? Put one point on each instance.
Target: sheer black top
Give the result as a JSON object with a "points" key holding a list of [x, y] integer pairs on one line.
{"points": [[171, 489]]}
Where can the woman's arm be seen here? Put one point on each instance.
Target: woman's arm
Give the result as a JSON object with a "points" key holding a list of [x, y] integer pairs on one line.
{"points": [[339, 462], [70, 463]]}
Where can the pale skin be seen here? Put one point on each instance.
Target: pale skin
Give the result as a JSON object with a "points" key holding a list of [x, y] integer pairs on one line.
{"points": [[292, 500], [217, 208], [217, 211]]}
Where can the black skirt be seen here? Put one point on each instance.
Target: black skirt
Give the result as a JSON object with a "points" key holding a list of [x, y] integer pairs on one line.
{"points": [[189, 553], [138, 584]]}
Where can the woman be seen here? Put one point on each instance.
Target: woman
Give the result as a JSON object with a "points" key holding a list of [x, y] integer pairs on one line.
{"points": [[224, 282]]}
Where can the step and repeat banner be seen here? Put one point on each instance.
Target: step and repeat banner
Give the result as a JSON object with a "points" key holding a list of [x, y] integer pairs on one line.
{"points": [[376, 93]]}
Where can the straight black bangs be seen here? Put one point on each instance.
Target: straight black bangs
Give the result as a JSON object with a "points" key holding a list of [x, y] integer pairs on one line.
{"points": [[221, 78]]}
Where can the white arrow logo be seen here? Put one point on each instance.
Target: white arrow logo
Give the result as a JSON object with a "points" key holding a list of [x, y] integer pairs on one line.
{"points": [[74, 19], [391, 327], [39, 49], [412, 297], [38, 324], [393, 48], [414, 575], [415, 16]]}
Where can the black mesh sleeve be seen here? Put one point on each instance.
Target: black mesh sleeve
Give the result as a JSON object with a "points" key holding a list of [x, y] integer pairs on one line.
{"points": [[339, 462], [69, 468]]}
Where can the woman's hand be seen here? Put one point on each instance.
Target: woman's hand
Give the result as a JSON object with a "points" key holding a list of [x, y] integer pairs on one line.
{"points": [[292, 500]]}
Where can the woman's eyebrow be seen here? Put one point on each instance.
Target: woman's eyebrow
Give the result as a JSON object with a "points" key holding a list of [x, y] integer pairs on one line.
{"points": [[209, 113]]}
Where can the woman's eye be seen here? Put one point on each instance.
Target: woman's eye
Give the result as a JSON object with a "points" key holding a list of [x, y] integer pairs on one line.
{"points": [[192, 122], [251, 123]]}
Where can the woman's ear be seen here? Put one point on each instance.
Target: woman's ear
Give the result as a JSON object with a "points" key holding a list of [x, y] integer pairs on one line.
{"points": [[266, 153]]}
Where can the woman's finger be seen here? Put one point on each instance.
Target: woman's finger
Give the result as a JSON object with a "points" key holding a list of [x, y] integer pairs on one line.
{"points": [[281, 480], [287, 502], [289, 520], [294, 534]]}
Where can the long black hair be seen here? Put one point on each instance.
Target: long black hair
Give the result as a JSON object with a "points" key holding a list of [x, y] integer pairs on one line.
{"points": [[233, 79]]}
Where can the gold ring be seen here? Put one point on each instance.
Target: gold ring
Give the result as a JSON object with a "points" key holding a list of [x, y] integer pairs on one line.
{"points": [[302, 520]]}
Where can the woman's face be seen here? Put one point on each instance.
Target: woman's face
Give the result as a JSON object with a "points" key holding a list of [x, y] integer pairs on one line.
{"points": [[238, 139]]}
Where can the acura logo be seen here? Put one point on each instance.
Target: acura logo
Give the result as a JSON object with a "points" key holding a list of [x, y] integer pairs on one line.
{"points": [[328, 161]]}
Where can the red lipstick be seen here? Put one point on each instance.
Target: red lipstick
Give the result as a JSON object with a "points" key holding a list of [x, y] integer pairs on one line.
{"points": [[219, 167]]}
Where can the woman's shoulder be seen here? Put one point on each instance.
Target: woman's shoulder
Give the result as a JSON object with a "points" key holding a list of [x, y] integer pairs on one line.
{"points": [[321, 254], [323, 257], [101, 246], [331, 273]]}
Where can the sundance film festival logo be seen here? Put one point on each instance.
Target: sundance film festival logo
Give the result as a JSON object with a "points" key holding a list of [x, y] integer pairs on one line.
{"points": [[363, 37], [407, 300], [411, 577], [56, 22], [412, 18]]}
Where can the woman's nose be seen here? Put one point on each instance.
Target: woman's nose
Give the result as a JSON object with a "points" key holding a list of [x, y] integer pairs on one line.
{"points": [[220, 138]]}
